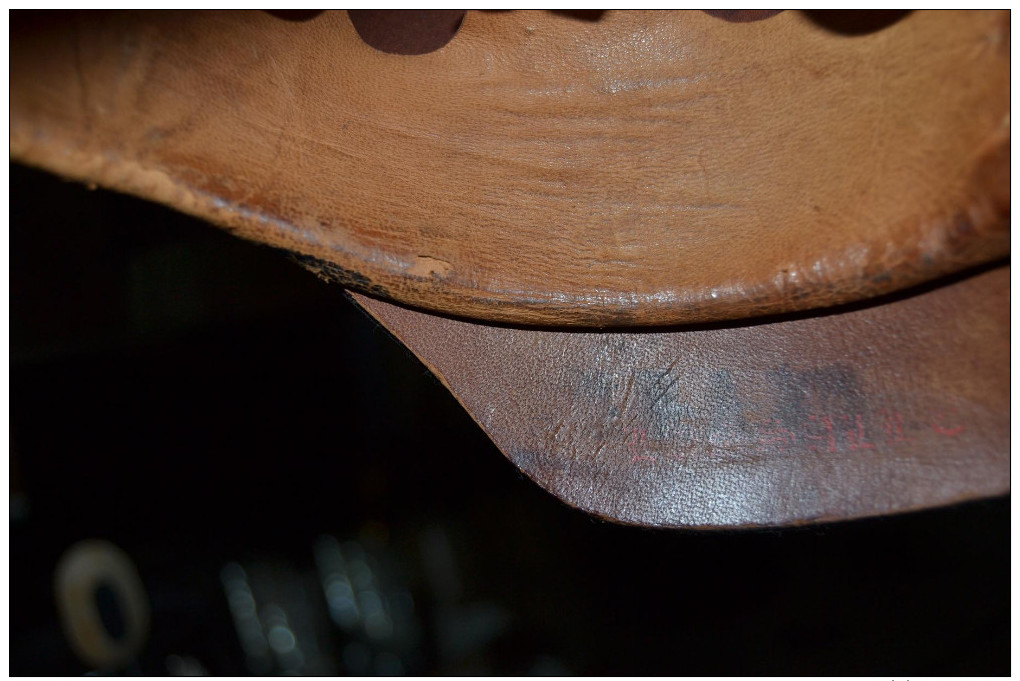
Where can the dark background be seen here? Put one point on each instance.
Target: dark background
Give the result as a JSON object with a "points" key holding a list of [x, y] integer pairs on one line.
{"points": [[202, 402]]}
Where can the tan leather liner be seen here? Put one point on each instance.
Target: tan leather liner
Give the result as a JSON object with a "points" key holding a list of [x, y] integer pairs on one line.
{"points": [[879, 410], [638, 169]]}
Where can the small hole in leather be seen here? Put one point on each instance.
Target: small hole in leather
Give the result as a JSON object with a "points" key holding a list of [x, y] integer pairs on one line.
{"points": [[409, 31], [295, 14], [856, 22], [590, 15], [740, 16]]}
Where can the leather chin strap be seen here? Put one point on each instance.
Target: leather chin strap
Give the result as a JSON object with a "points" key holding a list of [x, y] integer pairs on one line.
{"points": [[627, 169]]}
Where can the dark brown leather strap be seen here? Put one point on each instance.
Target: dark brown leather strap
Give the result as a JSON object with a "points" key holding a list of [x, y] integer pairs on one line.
{"points": [[879, 410]]}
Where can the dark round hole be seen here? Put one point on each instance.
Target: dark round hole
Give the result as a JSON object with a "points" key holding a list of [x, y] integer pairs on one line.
{"points": [[856, 21], [295, 14], [591, 15], [740, 16], [407, 31]]}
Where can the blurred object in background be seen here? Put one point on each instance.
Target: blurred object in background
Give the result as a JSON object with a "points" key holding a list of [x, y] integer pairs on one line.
{"points": [[103, 605], [371, 606]]}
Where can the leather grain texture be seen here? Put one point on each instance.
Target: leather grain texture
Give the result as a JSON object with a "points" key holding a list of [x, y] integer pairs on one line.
{"points": [[625, 169], [638, 169], [878, 410]]}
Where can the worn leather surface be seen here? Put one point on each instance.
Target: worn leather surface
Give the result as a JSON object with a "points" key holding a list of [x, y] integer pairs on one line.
{"points": [[878, 410], [622, 169], [638, 169]]}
